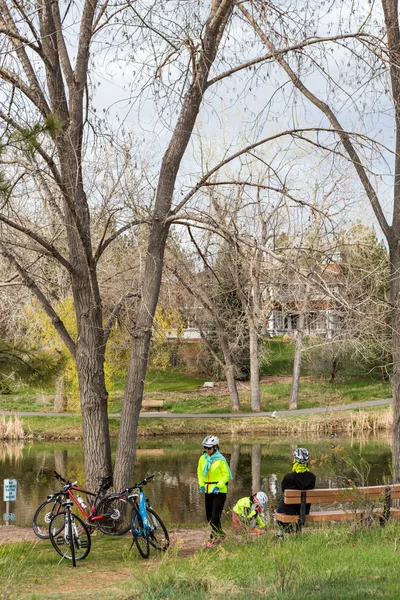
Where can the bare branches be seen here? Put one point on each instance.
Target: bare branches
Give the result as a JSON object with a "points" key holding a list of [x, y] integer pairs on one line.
{"points": [[49, 310], [344, 136], [51, 249]]}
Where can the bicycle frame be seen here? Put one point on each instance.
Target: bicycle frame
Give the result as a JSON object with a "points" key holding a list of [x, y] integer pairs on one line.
{"points": [[89, 516], [142, 509]]}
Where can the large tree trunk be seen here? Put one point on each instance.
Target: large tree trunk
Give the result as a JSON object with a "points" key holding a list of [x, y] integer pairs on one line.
{"points": [[395, 300], [60, 398], [126, 451], [294, 391], [141, 336], [255, 396], [229, 367], [256, 453]]}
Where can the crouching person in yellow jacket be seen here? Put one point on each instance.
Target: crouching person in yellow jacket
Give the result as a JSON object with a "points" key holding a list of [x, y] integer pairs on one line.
{"points": [[213, 474], [246, 513]]}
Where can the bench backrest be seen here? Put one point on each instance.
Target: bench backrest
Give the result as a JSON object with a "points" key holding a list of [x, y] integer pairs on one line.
{"points": [[333, 495]]}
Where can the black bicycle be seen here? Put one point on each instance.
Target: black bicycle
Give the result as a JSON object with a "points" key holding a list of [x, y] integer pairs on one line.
{"points": [[111, 513], [69, 534]]}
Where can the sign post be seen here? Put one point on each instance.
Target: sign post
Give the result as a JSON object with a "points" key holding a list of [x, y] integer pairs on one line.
{"points": [[9, 495]]}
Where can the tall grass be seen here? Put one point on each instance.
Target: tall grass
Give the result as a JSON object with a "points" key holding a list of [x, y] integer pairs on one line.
{"points": [[14, 565], [331, 563], [11, 428]]}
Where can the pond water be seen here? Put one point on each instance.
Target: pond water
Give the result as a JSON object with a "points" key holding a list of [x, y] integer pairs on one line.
{"points": [[255, 463]]}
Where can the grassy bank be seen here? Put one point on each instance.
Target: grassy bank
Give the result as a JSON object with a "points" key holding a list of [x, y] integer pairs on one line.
{"points": [[370, 419], [326, 564]]}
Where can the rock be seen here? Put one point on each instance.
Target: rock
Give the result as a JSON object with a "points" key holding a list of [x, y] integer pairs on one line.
{"points": [[208, 384]]}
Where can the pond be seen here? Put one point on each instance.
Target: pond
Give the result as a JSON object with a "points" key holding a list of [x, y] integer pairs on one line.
{"points": [[255, 463]]}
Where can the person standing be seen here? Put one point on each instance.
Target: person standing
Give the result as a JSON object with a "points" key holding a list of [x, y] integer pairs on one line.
{"points": [[213, 475], [301, 478]]}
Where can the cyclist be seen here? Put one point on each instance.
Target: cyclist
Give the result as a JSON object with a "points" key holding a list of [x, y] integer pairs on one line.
{"points": [[213, 475], [247, 513], [300, 478]]}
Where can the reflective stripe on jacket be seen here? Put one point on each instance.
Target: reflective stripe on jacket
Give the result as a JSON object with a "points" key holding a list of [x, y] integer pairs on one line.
{"points": [[246, 511], [217, 476]]}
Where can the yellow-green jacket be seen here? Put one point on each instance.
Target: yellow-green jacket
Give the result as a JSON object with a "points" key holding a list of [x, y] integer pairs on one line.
{"points": [[246, 511], [218, 475]]}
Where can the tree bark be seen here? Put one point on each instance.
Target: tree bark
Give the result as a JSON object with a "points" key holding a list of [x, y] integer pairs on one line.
{"points": [[126, 450], [255, 395], [395, 301], [60, 399], [256, 452], [294, 391]]}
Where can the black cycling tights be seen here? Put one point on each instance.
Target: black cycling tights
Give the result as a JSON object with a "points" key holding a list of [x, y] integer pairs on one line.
{"points": [[214, 507]]}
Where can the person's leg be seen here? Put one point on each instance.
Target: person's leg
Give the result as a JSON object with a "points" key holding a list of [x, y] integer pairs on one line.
{"points": [[217, 508], [209, 501], [287, 527]]}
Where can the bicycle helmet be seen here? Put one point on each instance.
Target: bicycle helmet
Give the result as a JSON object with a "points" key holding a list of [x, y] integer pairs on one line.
{"points": [[301, 455], [210, 441], [261, 498]]}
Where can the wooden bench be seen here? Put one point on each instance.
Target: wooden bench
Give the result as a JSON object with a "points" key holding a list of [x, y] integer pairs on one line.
{"points": [[158, 404], [348, 503]]}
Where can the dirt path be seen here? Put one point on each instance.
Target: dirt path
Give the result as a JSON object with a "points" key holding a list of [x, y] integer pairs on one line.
{"points": [[187, 541]]}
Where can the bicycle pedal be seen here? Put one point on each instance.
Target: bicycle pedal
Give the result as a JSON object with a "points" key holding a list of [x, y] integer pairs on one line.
{"points": [[60, 541], [84, 544]]}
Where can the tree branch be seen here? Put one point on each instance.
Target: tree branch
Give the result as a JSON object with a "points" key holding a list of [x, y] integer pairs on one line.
{"points": [[49, 310]]}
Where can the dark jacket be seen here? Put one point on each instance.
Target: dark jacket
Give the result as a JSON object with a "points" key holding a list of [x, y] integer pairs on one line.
{"points": [[297, 481]]}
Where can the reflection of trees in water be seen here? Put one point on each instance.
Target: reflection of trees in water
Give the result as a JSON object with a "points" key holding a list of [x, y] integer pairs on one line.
{"points": [[11, 452], [174, 491], [256, 450]]}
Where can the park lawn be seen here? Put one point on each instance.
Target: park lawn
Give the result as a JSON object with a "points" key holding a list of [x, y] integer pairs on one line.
{"points": [[169, 387], [275, 396], [40, 400], [333, 562]]}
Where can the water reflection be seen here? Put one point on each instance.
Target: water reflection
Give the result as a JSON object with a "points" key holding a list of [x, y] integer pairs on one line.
{"points": [[255, 464]]}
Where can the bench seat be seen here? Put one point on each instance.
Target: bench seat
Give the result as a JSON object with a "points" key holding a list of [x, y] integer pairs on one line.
{"points": [[378, 500], [333, 515]]}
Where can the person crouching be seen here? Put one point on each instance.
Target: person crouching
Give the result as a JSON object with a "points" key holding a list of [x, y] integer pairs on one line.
{"points": [[246, 514]]}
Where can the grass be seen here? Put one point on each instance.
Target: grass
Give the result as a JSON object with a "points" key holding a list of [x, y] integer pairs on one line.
{"points": [[275, 396], [322, 564]]}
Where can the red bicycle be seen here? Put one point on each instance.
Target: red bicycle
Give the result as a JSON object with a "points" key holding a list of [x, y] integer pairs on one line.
{"points": [[111, 513]]}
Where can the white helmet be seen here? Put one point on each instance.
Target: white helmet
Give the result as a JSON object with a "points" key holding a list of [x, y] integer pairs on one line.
{"points": [[210, 441], [261, 498], [301, 455]]}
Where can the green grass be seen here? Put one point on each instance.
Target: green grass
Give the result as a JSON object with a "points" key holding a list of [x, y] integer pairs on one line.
{"points": [[275, 396], [325, 564]]}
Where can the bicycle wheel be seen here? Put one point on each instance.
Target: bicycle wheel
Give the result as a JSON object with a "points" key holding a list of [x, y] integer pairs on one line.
{"points": [[43, 515], [116, 513], [158, 537], [139, 535], [60, 536]]}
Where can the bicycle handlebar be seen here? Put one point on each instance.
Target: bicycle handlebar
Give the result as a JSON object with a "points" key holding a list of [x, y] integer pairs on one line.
{"points": [[142, 483], [58, 476]]}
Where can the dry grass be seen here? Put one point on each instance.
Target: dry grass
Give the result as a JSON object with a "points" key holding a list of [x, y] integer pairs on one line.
{"points": [[11, 428]]}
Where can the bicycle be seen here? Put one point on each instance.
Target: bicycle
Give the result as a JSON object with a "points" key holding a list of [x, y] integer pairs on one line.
{"points": [[68, 531], [147, 527], [111, 515]]}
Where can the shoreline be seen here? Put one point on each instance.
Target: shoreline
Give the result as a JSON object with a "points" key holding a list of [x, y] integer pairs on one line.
{"points": [[369, 419]]}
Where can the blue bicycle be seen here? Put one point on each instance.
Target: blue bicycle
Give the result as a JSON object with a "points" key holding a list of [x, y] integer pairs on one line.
{"points": [[147, 527]]}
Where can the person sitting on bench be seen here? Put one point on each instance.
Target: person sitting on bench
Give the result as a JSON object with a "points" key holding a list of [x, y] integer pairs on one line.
{"points": [[300, 478]]}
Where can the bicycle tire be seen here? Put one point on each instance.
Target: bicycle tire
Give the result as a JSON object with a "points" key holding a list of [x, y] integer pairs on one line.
{"points": [[71, 540], [117, 514], [61, 539], [139, 535], [42, 517], [158, 537]]}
